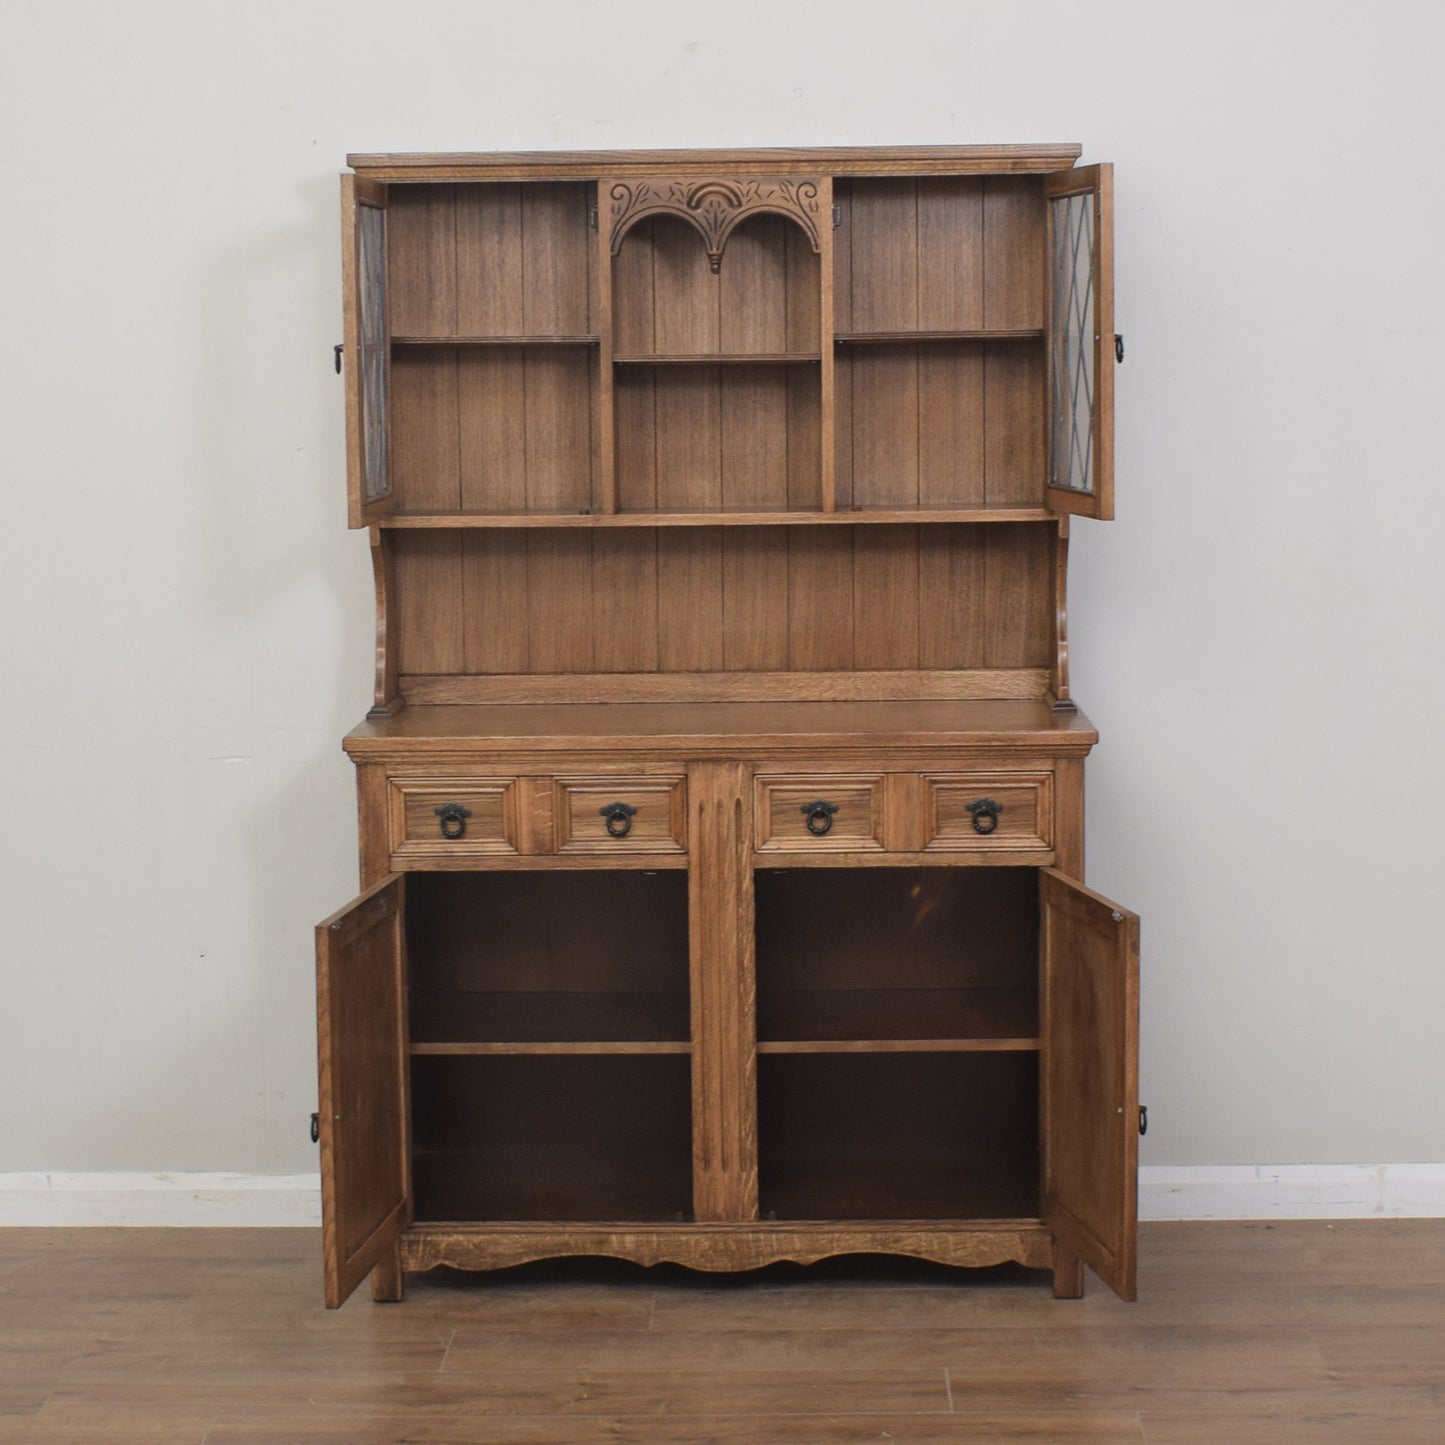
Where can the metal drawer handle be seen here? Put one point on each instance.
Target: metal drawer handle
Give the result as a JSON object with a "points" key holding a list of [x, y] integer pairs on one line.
{"points": [[453, 819], [985, 815], [618, 817], [819, 815]]}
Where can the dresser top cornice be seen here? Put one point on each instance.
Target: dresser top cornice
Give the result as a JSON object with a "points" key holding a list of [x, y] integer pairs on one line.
{"points": [[802, 160]]}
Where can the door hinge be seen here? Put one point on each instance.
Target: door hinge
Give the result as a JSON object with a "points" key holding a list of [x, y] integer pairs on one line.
{"points": [[1118, 347], [336, 356], [837, 217], [316, 1128], [1143, 1119], [592, 217]]}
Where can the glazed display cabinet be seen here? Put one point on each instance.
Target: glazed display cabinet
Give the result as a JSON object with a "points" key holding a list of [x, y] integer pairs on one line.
{"points": [[721, 806]]}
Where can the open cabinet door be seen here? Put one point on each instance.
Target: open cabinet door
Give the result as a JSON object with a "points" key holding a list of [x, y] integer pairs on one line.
{"points": [[367, 349], [1089, 977], [1080, 320], [362, 1053]]}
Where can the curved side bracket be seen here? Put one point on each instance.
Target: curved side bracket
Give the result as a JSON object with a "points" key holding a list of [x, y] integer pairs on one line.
{"points": [[715, 208]]}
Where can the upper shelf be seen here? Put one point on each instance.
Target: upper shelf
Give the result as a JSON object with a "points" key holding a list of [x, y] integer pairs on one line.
{"points": [[495, 340], [716, 358], [909, 338], [850, 517]]}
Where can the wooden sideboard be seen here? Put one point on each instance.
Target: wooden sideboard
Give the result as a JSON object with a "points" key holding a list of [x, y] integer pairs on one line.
{"points": [[721, 806]]}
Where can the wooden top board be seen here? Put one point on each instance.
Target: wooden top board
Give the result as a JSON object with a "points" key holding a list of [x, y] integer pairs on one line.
{"points": [[1021, 723], [824, 160]]}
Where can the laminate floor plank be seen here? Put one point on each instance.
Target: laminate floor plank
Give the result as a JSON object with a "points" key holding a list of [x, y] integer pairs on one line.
{"points": [[1290, 1332], [693, 1430]]}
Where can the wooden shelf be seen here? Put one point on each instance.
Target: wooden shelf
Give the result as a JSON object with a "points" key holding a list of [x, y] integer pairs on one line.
{"points": [[851, 516], [495, 340], [549, 1022], [912, 338], [989, 1186], [779, 358], [897, 1020]]}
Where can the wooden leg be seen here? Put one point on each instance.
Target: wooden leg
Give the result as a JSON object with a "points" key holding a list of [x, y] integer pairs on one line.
{"points": [[387, 1282], [1068, 1273]]}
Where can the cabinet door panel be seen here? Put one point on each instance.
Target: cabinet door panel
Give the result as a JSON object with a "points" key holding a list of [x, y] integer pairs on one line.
{"points": [[362, 1056], [367, 350], [1080, 321], [1089, 977]]}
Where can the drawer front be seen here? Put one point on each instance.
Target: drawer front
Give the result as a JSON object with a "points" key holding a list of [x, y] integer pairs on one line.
{"points": [[621, 815], [841, 813], [458, 818], [990, 812]]}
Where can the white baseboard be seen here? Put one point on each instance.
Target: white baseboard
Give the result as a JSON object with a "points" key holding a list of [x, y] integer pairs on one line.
{"points": [[1292, 1191], [169, 1200], [1233, 1191]]}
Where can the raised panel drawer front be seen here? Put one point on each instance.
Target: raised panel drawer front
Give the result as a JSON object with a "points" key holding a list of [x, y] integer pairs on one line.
{"points": [[837, 813], [990, 812], [621, 815], [436, 819]]}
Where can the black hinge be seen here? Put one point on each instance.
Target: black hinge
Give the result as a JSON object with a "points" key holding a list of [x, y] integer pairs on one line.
{"points": [[1143, 1118], [837, 217], [1118, 347], [592, 217], [336, 356], [316, 1128]]}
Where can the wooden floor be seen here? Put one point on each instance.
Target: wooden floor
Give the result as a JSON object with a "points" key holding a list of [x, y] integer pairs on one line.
{"points": [[1293, 1332]]}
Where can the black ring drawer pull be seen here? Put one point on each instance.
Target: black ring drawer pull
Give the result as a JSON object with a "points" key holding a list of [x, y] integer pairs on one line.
{"points": [[985, 815], [453, 819], [618, 817], [819, 816]]}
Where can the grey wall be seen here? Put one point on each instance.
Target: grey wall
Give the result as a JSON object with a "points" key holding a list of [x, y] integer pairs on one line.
{"points": [[186, 620]]}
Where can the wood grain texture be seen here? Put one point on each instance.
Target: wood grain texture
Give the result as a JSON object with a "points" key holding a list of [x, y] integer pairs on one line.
{"points": [[1314, 1332], [826, 730], [1089, 967], [724, 1069], [856, 603], [361, 1053], [822, 160], [728, 1247]]}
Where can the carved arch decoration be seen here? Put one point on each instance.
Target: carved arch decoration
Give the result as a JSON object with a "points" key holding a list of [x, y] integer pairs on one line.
{"points": [[715, 208]]}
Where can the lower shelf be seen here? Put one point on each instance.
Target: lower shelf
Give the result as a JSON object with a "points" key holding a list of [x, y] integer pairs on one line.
{"points": [[898, 1136], [558, 1137]]}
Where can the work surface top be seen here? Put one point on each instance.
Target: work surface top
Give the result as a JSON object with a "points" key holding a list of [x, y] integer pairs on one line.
{"points": [[722, 726]]}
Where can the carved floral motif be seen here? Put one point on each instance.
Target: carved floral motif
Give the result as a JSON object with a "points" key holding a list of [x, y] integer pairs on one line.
{"points": [[715, 208]]}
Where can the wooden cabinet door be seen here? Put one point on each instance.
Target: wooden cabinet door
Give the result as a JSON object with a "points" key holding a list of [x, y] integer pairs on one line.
{"points": [[1089, 977], [1080, 321], [362, 1055], [367, 349]]}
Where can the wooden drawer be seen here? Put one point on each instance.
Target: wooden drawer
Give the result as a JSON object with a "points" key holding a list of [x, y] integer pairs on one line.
{"points": [[435, 819], [621, 815], [837, 813], [989, 812]]}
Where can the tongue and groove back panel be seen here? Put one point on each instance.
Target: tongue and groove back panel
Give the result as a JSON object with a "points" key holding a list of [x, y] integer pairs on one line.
{"points": [[713, 601]]}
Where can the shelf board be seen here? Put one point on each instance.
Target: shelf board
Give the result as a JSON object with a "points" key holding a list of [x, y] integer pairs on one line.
{"points": [[495, 340], [910, 338], [731, 358], [993, 1185], [549, 1022], [849, 517], [898, 1020], [606, 1046]]}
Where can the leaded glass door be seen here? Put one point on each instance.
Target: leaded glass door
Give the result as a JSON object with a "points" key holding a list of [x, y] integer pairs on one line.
{"points": [[1081, 340], [366, 348]]}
